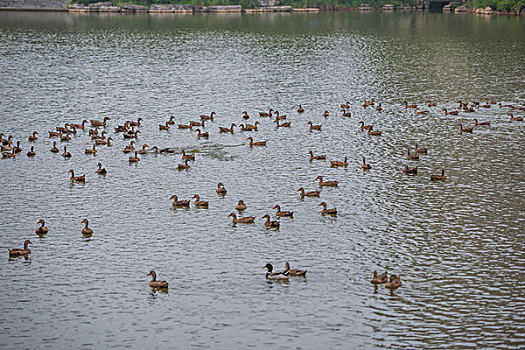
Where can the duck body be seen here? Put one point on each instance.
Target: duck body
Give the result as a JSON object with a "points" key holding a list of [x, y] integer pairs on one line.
{"points": [[271, 224], [441, 177], [101, 170], [199, 203], [300, 109], [410, 171], [32, 152], [54, 149], [329, 211], [134, 159], [244, 220], [462, 130], [412, 156], [190, 157], [365, 166], [241, 206], [309, 194], [480, 123], [257, 143], [394, 283], [320, 157], [221, 190], [80, 178], [420, 150], [322, 183], [335, 163], [283, 213], [156, 284], [380, 279], [294, 272], [13, 253], [227, 130], [374, 132], [179, 203], [41, 230], [314, 127], [276, 275], [86, 231], [184, 166], [66, 154]]}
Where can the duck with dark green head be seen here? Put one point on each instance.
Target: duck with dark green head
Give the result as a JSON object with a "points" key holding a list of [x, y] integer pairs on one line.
{"points": [[270, 274]]}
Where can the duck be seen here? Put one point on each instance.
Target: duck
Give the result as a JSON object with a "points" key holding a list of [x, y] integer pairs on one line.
{"points": [[179, 203], [129, 148], [413, 156], [33, 137], [131, 134], [137, 123], [441, 177], [374, 132], [80, 178], [249, 127], [184, 126], [171, 121], [104, 142], [54, 149], [6, 142], [482, 123], [326, 183], [369, 103], [320, 157], [314, 127], [326, 114], [408, 106], [156, 284], [202, 134], [199, 203], [294, 272], [17, 148], [271, 224], [309, 194], [507, 106], [515, 119], [346, 113], [42, 229], [280, 117], [32, 152], [143, 150], [164, 127], [91, 150], [100, 123], [206, 117], [53, 134], [282, 213], [264, 114], [79, 126], [244, 220], [101, 170], [284, 125], [420, 150], [394, 283], [380, 279], [418, 111], [431, 104], [241, 205], [486, 105], [330, 211], [410, 171], [336, 163], [270, 274], [346, 105], [199, 124], [9, 154], [462, 130], [66, 154], [300, 109], [86, 231], [451, 112], [365, 166], [188, 156], [64, 138], [102, 136], [226, 130], [221, 189], [134, 159], [184, 166], [379, 108], [365, 127], [122, 128], [257, 143], [16, 252]]}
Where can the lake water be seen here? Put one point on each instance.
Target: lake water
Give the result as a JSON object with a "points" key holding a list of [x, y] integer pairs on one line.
{"points": [[458, 244]]}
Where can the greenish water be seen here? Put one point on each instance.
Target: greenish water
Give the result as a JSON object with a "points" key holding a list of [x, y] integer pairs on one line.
{"points": [[458, 244]]}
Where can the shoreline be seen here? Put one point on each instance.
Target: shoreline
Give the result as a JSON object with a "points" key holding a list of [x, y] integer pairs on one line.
{"points": [[188, 9]]}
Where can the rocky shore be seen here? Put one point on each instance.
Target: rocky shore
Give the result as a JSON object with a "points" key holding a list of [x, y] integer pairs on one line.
{"points": [[265, 6]]}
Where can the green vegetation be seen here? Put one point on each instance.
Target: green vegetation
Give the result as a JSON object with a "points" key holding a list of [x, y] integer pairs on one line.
{"points": [[498, 5]]}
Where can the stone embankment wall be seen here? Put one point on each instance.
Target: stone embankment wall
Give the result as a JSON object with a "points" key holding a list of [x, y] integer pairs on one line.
{"points": [[35, 5]]}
